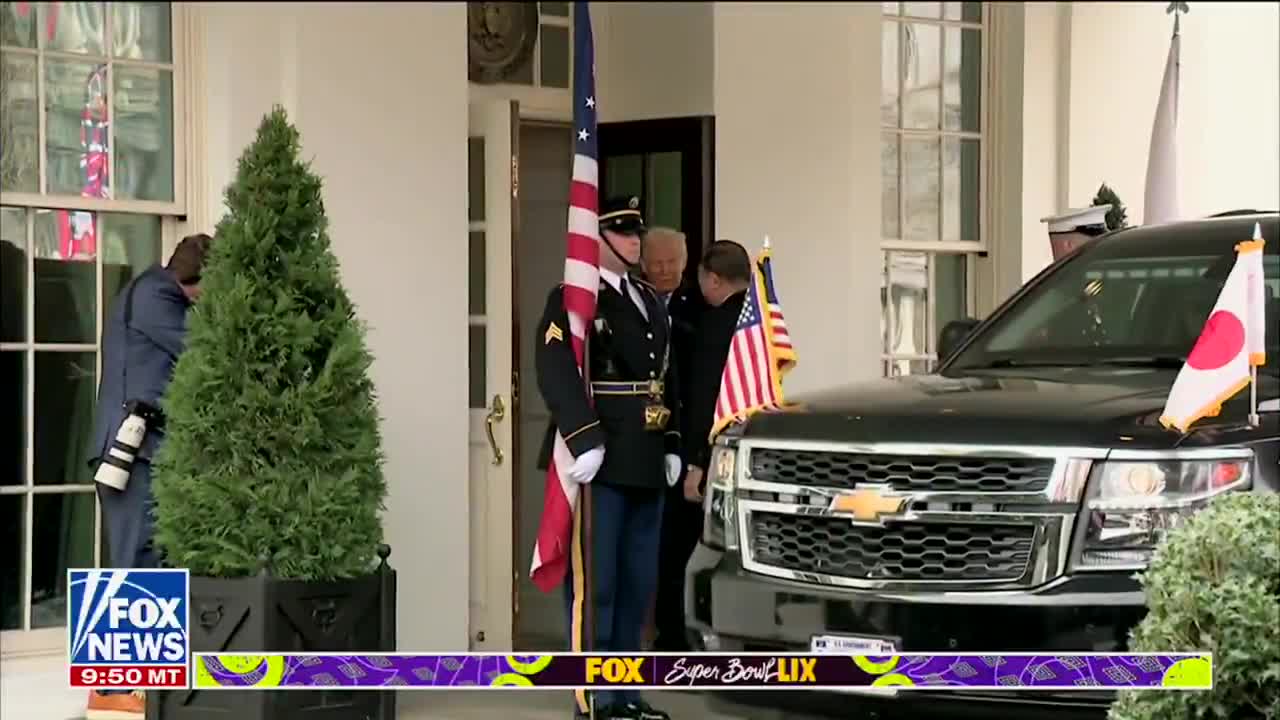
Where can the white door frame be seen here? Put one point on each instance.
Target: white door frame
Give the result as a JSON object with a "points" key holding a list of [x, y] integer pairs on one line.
{"points": [[491, 451]]}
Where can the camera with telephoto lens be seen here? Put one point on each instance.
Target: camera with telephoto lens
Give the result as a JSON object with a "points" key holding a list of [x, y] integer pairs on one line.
{"points": [[116, 465]]}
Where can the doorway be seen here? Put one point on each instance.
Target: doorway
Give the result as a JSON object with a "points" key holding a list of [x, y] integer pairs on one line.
{"points": [[670, 165], [546, 154]]}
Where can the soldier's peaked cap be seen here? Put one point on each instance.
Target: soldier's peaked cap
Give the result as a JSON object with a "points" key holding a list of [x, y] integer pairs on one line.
{"points": [[622, 215]]}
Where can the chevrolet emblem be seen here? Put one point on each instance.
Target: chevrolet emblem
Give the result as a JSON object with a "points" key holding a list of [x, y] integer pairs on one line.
{"points": [[869, 504]]}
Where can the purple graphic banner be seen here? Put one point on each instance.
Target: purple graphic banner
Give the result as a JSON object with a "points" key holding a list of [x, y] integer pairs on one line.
{"points": [[992, 671]]}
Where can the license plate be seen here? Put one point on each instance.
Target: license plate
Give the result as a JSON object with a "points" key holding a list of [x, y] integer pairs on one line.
{"points": [[856, 645]]}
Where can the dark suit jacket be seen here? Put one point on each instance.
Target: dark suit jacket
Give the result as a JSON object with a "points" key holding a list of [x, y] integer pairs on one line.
{"points": [[141, 356], [710, 350], [684, 308]]}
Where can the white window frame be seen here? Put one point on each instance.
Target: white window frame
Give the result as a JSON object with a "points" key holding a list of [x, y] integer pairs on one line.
{"points": [[891, 361], [536, 101], [26, 640]]}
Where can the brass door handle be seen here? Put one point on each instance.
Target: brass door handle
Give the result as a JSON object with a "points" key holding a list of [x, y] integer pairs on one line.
{"points": [[497, 411]]}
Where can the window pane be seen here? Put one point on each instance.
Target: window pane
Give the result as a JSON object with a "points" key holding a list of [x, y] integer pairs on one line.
{"points": [[624, 175], [476, 283], [889, 210], [76, 27], [144, 133], [475, 179], [666, 183], [554, 71], [13, 404], [922, 61], [922, 9], [130, 244], [13, 275], [950, 287], [64, 401], [476, 359], [558, 9], [890, 66], [964, 11], [12, 541], [920, 179], [19, 144], [961, 187], [62, 538], [65, 276], [962, 80], [17, 24], [76, 125], [141, 31], [885, 321], [908, 294], [897, 367]]}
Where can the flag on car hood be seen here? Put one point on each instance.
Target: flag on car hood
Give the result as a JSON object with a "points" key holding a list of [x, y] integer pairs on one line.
{"points": [[1231, 343]]}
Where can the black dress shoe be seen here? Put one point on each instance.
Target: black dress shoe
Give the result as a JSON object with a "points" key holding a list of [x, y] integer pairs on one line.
{"points": [[645, 711]]}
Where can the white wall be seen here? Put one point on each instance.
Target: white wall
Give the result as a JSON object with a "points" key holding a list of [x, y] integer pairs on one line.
{"points": [[653, 59], [378, 91], [798, 158], [1093, 77], [1045, 145]]}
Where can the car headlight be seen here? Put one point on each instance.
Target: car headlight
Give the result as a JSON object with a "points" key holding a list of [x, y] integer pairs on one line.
{"points": [[719, 526], [1131, 506]]}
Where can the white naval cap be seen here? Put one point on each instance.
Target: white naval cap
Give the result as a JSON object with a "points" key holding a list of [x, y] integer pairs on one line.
{"points": [[1078, 219]]}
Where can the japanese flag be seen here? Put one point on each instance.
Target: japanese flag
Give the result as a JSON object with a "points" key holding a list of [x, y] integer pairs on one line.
{"points": [[1232, 341]]}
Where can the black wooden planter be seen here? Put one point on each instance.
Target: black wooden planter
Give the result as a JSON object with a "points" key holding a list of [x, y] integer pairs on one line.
{"points": [[265, 614]]}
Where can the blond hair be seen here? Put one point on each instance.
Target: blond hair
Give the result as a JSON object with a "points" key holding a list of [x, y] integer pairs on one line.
{"points": [[666, 233]]}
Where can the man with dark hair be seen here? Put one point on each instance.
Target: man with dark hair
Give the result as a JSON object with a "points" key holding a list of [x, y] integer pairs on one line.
{"points": [[723, 277], [141, 340]]}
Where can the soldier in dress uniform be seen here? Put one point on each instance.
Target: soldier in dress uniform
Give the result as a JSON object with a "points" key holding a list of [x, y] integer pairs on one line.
{"points": [[625, 443]]}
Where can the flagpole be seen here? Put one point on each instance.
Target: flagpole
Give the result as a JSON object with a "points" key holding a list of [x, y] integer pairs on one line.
{"points": [[1254, 419]]}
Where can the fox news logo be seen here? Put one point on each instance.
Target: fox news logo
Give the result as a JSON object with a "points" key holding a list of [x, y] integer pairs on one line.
{"points": [[128, 628]]}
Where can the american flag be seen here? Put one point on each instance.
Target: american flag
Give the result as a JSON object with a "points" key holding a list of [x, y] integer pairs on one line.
{"points": [[581, 280], [759, 355]]}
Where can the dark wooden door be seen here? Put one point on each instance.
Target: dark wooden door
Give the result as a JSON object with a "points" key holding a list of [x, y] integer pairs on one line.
{"points": [[670, 164]]}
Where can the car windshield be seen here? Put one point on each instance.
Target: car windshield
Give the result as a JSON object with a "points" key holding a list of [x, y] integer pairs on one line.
{"points": [[1140, 302]]}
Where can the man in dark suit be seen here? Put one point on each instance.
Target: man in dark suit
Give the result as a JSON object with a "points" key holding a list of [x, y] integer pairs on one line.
{"points": [[141, 342], [724, 274], [625, 442]]}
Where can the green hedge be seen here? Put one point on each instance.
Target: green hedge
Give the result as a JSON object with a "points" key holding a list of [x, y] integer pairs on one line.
{"points": [[1214, 586], [272, 453]]}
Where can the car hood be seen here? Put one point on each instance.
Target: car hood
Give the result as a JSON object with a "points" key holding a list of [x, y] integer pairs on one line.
{"points": [[1077, 407]]}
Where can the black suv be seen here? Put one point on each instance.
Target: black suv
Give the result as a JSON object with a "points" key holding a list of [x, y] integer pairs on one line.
{"points": [[1004, 503]]}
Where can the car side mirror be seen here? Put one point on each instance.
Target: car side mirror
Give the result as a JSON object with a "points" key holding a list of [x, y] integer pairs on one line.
{"points": [[952, 335]]}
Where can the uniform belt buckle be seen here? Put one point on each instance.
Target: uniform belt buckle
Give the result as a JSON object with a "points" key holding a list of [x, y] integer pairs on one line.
{"points": [[655, 388]]}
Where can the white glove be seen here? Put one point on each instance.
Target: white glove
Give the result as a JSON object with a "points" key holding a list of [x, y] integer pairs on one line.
{"points": [[673, 470], [586, 465]]}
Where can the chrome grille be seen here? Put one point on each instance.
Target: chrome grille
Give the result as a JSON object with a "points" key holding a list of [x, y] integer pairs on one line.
{"points": [[844, 470], [901, 551]]}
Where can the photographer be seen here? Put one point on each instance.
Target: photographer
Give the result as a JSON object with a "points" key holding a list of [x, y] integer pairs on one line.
{"points": [[141, 340]]}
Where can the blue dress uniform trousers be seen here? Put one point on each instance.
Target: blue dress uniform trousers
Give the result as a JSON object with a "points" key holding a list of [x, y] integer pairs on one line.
{"points": [[625, 529], [127, 516]]}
